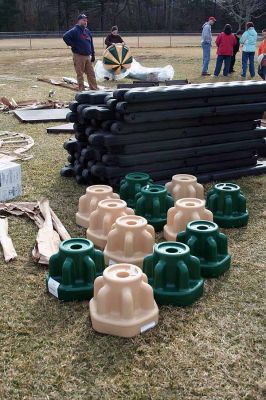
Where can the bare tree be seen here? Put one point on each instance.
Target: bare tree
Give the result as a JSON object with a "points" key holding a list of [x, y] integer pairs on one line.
{"points": [[243, 11]]}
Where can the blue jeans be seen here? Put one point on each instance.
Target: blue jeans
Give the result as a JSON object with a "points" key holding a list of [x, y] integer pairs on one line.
{"points": [[248, 56], [206, 56], [219, 63]]}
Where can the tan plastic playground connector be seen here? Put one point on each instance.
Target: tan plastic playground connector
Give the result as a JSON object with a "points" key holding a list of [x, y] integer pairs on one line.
{"points": [[102, 219], [130, 240], [89, 202], [183, 186], [185, 211], [123, 302]]}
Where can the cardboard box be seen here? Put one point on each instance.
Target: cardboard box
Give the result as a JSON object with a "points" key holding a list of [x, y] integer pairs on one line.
{"points": [[10, 180]]}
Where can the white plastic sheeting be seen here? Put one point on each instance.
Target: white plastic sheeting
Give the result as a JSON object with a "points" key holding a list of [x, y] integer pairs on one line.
{"points": [[136, 71]]}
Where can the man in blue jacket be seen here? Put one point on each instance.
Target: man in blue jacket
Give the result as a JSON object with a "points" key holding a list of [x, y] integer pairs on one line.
{"points": [[206, 43], [81, 42]]}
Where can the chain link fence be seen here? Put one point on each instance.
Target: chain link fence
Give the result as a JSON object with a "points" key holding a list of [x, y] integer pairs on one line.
{"points": [[48, 40]]}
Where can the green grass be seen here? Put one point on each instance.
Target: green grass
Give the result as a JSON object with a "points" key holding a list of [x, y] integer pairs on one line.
{"points": [[212, 350]]}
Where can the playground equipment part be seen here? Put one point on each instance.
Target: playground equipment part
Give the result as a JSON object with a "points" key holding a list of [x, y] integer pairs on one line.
{"points": [[152, 203], [102, 219], [228, 205], [174, 274], [123, 302], [73, 269], [185, 186], [184, 211], [117, 59], [89, 202], [130, 240], [208, 245], [131, 185]]}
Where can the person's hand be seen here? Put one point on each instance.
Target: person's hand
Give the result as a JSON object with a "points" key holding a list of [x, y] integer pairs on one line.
{"points": [[92, 58]]}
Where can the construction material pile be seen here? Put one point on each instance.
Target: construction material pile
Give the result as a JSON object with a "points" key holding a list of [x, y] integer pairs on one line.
{"points": [[209, 130]]}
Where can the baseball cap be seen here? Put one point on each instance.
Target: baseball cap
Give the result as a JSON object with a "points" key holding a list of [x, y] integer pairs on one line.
{"points": [[212, 19], [82, 16]]}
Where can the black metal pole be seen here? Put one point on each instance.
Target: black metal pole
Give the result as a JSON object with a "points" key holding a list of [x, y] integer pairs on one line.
{"points": [[59, 15], [214, 10]]}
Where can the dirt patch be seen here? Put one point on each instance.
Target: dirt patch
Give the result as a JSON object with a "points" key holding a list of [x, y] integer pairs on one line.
{"points": [[53, 60], [12, 78]]}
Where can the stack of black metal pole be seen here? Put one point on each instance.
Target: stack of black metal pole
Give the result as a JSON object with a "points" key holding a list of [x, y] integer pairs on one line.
{"points": [[209, 130]]}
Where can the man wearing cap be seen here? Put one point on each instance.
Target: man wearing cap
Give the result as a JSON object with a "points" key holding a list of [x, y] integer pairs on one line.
{"points": [[206, 43], [81, 42]]}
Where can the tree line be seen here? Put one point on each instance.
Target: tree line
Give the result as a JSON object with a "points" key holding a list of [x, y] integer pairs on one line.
{"points": [[129, 15]]}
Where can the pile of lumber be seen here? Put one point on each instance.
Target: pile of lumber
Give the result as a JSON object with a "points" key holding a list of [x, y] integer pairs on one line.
{"points": [[209, 130]]}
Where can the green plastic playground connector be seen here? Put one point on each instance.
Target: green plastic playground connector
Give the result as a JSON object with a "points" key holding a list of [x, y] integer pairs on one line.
{"points": [[208, 245], [228, 205], [152, 203], [174, 274], [131, 185], [73, 269]]}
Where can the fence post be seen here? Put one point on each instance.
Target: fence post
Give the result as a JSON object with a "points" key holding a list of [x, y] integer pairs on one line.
{"points": [[138, 41], [30, 43], [170, 40]]}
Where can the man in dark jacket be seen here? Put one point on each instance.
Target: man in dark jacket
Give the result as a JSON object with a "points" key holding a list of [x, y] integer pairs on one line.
{"points": [[81, 42], [236, 50], [113, 37]]}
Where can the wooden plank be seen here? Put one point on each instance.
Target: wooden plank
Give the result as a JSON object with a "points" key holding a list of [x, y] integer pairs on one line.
{"points": [[174, 82], [65, 128], [42, 115]]}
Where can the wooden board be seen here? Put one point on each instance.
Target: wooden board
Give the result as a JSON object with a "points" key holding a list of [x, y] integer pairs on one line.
{"points": [[65, 128], [263, 121], [42, 115]]}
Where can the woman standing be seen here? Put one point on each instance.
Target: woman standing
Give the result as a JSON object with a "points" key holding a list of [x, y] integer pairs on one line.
{"points": [[113, 37], [225, 49], [249, 40]]}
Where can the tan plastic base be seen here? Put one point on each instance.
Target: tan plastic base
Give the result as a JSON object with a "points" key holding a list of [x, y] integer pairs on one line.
{"points": [[102, 220], [130, 240], [185, 186], [185, 211], [89, 202], [123, 302]]}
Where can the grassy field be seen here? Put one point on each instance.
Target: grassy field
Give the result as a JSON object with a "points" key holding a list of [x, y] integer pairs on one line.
{"points": [[212, 351], [132, 41]]}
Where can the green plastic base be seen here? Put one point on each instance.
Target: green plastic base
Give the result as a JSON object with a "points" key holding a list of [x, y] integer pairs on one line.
{"points": [[182, 299], [78, 293], [157, 224], [235, 221], [216, 269], [228, 205], [153, 203], [73, 269], [131, 185], [208, 245], [174, 274]]}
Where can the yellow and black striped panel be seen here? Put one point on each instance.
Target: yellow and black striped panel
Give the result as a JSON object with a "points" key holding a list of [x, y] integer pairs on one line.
{"points": [[117, 58]]}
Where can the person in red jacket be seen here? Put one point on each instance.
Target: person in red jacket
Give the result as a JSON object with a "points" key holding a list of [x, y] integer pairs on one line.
{"points": [[225, 49], [262, 57]]}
